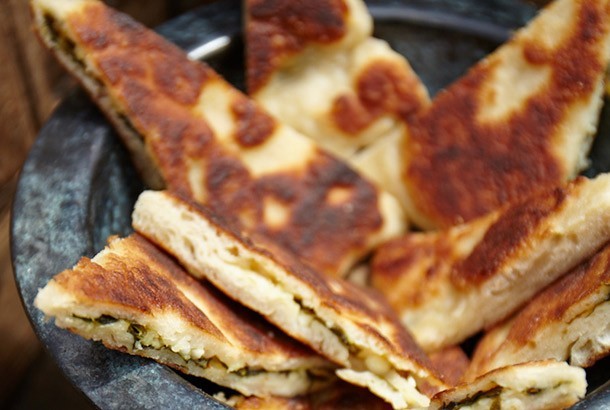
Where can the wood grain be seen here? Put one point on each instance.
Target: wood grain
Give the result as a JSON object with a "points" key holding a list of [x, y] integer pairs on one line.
{"points": [[17, 127], [44, 80], [19, 344]]}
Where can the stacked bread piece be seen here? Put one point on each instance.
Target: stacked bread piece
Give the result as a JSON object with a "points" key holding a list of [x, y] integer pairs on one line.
{"points": [[348, 90], [235, 272]]}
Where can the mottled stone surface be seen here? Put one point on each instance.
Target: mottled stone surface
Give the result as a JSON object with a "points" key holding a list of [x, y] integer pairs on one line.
{"points": [[78, 185]]}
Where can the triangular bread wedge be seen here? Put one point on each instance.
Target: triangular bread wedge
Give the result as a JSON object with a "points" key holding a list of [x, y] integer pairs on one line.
{"points": [[349, 325], [521, 119], [132, 297], [450, 284], [314, 65], [195, 134], [567, 321], [543, 385]]}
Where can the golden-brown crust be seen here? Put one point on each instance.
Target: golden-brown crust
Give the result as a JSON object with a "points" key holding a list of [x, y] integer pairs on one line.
{"points": [[275, 31], [402, 267], [460, 167], [116, 51], [137, 277], [134, 284], [159, 88], [254, 126], [398, 264], [382, 87], [507, 234]]}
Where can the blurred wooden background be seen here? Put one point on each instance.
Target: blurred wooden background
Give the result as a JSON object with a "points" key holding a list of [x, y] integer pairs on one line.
{"points": [[31, 84]]}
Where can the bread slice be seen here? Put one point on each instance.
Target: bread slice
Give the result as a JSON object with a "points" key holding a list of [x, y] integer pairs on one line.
{"points": [[521, 119], [450, 284], [542, 385], [195, 134], [349, 325], [314, 65], [134, 298], [567, 321]]}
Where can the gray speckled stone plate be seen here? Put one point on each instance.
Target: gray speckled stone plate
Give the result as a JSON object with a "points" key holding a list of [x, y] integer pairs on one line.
{"points": [[78, 186]]}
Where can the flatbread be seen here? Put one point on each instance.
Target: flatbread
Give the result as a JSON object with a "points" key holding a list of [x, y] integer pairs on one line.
{"points": [[349, 325], [195, 134], [521, 119], [543, 385], [450, 284], [314, 65], [134, 298], [567, 321]]}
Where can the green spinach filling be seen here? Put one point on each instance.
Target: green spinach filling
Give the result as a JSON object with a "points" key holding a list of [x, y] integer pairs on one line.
{"points": [[145, 338]]}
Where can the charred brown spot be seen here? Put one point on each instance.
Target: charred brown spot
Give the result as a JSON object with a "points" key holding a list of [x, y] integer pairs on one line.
{"points": [[181, 83], [114, 67], [554, 302], [349, 115], [91, 27], [232, 191], [460, 168], [398, 256], [403, 266], [506, 236], [390, 88], [254, 126], [383, 87], [277, 30]]}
